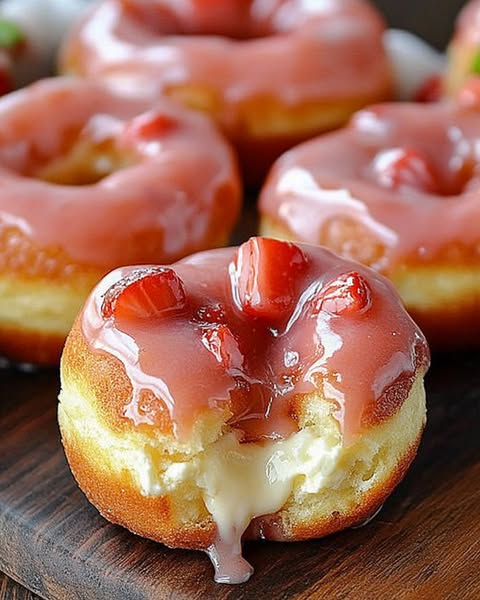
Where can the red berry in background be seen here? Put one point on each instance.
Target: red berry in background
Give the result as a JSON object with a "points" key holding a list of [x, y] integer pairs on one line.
{"points": [[6, 82], [145, 293], [349, 294], [149, 127], [404, 167], [431, 90], [265, 277]]}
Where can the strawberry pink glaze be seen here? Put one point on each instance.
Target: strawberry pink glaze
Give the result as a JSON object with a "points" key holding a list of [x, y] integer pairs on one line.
{"points": [[407, 174], [220, 337], [178, 170], [292, 50]]}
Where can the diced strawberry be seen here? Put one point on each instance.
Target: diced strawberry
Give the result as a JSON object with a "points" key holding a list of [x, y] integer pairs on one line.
{"points": [[431, 90], [212, 313], [6, 82], [348, 294], [404, 167], [149, 127], [145, 293], [266, 271], [221, 342]]}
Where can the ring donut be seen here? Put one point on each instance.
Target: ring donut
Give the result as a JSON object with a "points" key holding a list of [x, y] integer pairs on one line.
{"points": [[270, 73], [90, 181], [397, 190]]}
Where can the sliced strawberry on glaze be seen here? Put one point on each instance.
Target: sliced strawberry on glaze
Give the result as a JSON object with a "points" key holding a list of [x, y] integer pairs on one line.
{"points": [[265, 277], [349, 294], [149, 127], [145, 293], [221, 342], [404, 167]]}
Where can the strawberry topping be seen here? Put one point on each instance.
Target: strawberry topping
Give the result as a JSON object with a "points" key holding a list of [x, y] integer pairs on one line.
{"points": [[145, 293], [149, 126], [221, 342], [404, 167], [346, 295], [265, 277]]}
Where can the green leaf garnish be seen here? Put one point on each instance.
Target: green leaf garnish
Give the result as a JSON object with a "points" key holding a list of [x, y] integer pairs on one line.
{"points": [[11, 35], [475, 68]]}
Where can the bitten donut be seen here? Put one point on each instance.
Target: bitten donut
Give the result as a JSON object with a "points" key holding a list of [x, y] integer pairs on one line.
{"points": [[274, 391], [464, 48], [90, 181], [271, 73], [398, 189]]}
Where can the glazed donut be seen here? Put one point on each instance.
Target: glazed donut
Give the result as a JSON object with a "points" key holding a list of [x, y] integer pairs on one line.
{"points": [[89, 181], [230, 396], [270, 73], [397, 190], [464, 48]]}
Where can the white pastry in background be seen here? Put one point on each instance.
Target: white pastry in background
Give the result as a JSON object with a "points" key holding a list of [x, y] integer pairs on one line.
{"points": [[413, 62], [43, 24]]}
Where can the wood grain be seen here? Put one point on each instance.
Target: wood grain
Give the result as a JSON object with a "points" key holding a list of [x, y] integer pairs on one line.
{"points": [[10, 590], [424, 544]]}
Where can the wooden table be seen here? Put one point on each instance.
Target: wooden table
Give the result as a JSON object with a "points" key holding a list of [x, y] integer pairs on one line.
{"points": [[424, 544]]}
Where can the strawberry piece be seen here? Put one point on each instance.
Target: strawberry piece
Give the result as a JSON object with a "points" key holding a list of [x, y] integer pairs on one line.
{"points": [[221, 342], [145, 293], [266, 272], [404, 167], [348, 294], [149, 127], [212, 313], [431, 90]]}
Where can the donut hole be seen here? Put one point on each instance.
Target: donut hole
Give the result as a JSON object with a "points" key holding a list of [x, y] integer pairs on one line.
{"points": [[240, 20], [84, 163], [410, 168]]}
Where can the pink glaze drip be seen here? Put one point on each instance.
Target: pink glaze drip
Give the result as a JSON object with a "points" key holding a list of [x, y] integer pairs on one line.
{"points": [[428, 206], [222, 338], [180, 166], [327, 49], [255, 365]]}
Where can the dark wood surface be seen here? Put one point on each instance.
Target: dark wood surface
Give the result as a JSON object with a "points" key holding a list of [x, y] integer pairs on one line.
{"points": [[424, 544]]}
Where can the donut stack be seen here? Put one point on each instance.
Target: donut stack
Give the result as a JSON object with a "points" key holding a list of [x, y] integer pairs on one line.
{"points": [[272, 390]]}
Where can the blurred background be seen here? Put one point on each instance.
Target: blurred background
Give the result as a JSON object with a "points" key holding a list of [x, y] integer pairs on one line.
{"points": [[431, 19]]}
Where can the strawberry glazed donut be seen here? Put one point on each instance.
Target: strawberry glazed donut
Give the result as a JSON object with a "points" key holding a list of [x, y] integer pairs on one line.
{"points": [[398, 189], [230, 395], [270, 73], [464, 48], [89, 181]]}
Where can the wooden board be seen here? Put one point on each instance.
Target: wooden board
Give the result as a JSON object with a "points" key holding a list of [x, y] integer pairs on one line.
{"points": [[424, 544]]}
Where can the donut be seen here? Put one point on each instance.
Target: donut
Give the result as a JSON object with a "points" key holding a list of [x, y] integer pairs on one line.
{"points": [[397, 189], [231, 396], [464, 48], [90, 181], [270, 73]]}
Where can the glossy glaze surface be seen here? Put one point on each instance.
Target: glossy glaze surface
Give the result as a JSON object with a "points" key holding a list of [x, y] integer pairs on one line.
{"points": [[234, 49], [217, 319], [111, 180], [399, 185]]}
